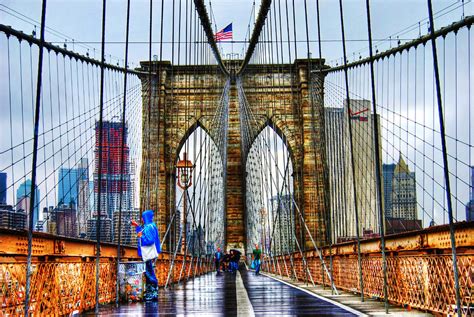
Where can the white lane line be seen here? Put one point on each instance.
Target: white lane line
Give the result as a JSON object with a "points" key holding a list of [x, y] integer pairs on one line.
{"points": [[244, 306], [349, 309]]}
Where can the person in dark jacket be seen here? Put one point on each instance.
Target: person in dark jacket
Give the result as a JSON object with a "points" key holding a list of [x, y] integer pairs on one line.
{"points": [[217, 260], [226, 260], [147, 236], [234, 260]]}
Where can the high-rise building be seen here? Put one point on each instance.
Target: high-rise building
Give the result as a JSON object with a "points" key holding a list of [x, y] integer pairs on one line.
{"points": [[11, 218], [65, 221], [133, 184], [283, 224], [470, 211], [196, 242], [471, 184], [49, 220], [105, 228], [23, 199], [128, 234], [115, 183], [3, 188], [347, 179], [68, 183], [470, 204], [400, 198], [83, 199], [404, 192], [387, 173]]}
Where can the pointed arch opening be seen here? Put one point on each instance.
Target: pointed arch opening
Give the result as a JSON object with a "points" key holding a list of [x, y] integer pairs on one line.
{"points": [[270, 207], [198, 224]]}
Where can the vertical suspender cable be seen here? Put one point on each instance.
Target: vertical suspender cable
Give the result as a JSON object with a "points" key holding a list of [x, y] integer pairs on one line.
{"points": [[34, 159], [445, 158], [101, 126], [150, 90], [377, 160], [122, 152], [356, 209]]}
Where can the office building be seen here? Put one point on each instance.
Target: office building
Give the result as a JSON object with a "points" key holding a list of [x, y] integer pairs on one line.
{"points": [[3, 188], [283, 224], [346, 179], [128, 234], [68, 183], [400, 198], [387, 173], [403, 192], [84, 197], [66, 221], [105, 228], [23, 199], [470, 203], [115, 183], [11, 218]]}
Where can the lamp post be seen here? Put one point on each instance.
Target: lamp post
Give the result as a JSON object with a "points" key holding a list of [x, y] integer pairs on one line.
{"points": [[185, 168]]}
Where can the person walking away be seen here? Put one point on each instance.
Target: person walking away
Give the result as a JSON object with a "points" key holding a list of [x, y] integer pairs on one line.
{"points": [[226, 260], [257, 253], [235, 258], [217, 260], [148, 248]]}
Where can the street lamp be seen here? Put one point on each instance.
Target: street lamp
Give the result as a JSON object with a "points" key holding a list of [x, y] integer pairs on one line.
{"points": [[185, 168]]}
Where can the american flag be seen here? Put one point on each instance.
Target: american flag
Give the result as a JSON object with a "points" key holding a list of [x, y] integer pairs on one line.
{"points": [[224, 34]]}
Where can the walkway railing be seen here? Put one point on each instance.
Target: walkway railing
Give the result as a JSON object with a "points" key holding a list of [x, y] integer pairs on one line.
{"points": [[63, 273], [419, 268]]}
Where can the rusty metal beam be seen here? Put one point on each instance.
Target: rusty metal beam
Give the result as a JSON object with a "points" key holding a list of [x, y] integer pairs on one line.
{"points": [[429, 239], [419, 267], [63, 269]]}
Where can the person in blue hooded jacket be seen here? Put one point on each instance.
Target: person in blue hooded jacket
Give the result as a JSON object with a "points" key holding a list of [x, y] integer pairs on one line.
{"points": [[148, 235]]}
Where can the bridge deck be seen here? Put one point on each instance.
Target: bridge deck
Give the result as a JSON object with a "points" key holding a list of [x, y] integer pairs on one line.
{"points": [[229, 294]]}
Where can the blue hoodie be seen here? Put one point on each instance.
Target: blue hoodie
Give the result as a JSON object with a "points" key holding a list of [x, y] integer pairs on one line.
{"points": [[149, 232]]}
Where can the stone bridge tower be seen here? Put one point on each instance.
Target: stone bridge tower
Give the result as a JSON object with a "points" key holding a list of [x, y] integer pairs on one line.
{"points": [[185, 97]]}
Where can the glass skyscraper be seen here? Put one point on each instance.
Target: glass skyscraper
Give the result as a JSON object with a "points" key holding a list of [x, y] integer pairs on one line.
{"points": [[23, 199], [387, 171], [68, 183], [3, 188]]}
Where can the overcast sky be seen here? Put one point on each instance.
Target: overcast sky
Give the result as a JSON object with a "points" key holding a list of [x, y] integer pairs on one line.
{"points": [[81, 20]]}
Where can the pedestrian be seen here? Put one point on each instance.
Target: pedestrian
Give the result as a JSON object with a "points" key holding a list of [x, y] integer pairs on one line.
{"points": [[234, 260], [257, 253], [148, 248], [226, 260], [217, 260]]}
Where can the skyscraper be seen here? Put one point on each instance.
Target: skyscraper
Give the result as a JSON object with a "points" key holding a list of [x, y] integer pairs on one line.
{"points": [[11, 218], [347, 179], [68, 183], [403, 192], [111, 174], [3, 188], [471, 185], [127, 232], [283, 224], [83, 199], [387, 173], [23, 199], [105, 228], [65, 220], [470, 204]]}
